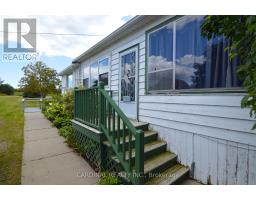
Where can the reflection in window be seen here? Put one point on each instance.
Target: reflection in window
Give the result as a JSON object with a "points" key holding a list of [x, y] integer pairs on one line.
{"points": [[128, 63], [160, 58], [198, 62], [94, 74], [70, 81], [103, 78], [103, 71], [201, 63], [161, 79], [103, 66], [86, 83]]}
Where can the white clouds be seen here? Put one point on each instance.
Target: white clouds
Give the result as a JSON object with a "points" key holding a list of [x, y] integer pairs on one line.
{"points": [[158, 62], [189, 59], [70, 45]]}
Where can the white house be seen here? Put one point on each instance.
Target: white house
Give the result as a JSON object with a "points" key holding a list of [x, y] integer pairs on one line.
{"points": [[163, 72]]}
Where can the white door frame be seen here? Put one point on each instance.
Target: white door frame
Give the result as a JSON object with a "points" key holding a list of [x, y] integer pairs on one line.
{"points": [[135, 103]]}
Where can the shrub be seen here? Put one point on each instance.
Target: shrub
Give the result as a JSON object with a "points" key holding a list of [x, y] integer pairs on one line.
{"points": [[59, 110], [6, 89], [68, 100], [107, 178], [66, 131], [62, 122]]}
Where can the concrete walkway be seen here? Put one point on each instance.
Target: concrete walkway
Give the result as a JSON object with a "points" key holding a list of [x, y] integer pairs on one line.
{"points": [[47, 159]]}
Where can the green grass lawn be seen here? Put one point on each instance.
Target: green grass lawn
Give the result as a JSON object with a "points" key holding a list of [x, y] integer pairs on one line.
{"points": [[11, 139]]}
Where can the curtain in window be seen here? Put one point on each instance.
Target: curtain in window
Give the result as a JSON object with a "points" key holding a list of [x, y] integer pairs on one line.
{"points": [[202, 63], [160, 59]]}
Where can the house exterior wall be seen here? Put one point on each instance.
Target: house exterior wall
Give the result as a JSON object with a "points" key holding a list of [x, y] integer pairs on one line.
{"points": [[210, 133]]}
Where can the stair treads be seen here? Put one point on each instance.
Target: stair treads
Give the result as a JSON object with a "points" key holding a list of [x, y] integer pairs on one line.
{"points": [[150, 147], [158, 161], [169, 176], [147, 134]]}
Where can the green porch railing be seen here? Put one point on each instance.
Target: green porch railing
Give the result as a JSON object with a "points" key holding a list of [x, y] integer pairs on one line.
{"points": [[96, 108], [86, 107]]}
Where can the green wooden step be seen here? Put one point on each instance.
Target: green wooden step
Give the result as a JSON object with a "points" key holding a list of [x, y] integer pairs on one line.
{"points": [[171, 176], [150, 149]]}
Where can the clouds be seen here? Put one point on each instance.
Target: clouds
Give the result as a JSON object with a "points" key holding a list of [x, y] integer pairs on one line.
{"points": [[183, 66], [71, 45], [158, 62]]}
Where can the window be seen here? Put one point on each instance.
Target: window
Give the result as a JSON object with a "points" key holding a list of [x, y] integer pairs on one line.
{"points": [[103, 71], [160, 58], [86, 76], [86, 82], [94, 74], [104, 78], [194, 62], [70, 82]]}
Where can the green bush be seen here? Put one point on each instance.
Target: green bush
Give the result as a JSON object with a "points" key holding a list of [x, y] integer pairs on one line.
{"points": [[6, 89], [107, 178], [68, 101], [62, 122], [60, 111], [66, 131]]}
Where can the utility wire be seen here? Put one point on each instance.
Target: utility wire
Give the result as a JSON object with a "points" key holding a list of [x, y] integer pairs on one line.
{"points": [[63, 34]]}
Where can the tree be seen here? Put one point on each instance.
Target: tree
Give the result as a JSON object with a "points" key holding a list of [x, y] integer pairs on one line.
{"points": [[39, 79], [241, 32], [6, 89], [1, 81]]}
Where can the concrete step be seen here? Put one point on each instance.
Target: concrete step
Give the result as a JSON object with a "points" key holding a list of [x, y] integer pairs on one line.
{"points": [[151, 149], [173, 175], [149, 136]]}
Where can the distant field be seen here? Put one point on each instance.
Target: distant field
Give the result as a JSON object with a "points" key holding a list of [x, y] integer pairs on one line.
{"points": [[11, 139]]}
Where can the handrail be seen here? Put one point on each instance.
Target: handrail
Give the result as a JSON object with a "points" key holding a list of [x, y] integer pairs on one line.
{"points": [[119, 131], [96, 108]]}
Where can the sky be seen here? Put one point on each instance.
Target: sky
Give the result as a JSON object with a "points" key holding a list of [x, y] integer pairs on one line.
{"points": [[55, 49]]}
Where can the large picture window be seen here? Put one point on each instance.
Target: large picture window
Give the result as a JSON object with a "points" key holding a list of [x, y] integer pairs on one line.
{"points": [[193, 62]]}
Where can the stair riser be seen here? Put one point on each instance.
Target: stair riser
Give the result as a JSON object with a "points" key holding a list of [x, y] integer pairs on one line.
{"points": [[151, 153], [143, 127], [161, 168], [154, 152], [181, 179], [147, 139]]}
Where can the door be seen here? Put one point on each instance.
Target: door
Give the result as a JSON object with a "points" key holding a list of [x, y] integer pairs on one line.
{"points": [[128, 82]]}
